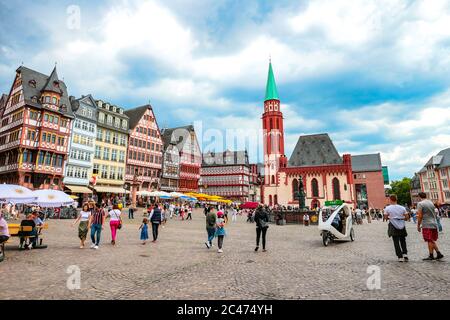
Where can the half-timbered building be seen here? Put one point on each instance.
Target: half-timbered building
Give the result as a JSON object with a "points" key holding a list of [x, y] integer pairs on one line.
{"points": [[35, 131], [145, 149]]}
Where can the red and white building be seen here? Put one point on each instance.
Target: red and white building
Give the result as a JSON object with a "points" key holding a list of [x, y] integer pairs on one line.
{"points": [[315, 163], [185, 141], [35, 131], [145, 148], [227, 174], [435, 177]]}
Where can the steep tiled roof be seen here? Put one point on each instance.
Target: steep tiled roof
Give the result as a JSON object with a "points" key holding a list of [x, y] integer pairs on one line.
{"points": [[136, 115], [225, 158], [314, 150], [176, 135], [366, 163], [34, 83]]}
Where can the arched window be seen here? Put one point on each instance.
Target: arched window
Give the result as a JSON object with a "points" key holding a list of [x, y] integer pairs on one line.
{"points": [[270, 201], [295, 189], [275, 199], [273, 179], [315, 187], [336, 189]]}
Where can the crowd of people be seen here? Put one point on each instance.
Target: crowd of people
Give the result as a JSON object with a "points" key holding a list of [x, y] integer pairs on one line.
{"points": [[92, 218]]}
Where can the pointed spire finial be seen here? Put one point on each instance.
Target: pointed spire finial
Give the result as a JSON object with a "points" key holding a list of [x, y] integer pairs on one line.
{"points": [[271, 88]]}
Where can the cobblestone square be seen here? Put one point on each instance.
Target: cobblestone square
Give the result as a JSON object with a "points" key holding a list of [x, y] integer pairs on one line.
{"points": [[179, 266]]}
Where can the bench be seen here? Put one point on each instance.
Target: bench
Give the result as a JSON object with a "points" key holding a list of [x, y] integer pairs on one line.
{"points": [[14, 231]]}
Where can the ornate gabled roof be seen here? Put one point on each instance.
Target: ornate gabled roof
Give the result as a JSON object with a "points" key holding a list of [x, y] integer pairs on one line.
{"points": [[176, 136], [366, 163], [136, 115], [271, 87], [314, 150], [33, 84], [52, 84]]}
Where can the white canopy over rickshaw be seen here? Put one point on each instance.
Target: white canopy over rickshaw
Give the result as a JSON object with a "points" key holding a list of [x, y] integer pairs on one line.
{"points": [[335, 222]]}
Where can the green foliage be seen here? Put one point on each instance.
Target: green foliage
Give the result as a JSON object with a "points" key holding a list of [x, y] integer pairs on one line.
{"points": [[402, 189]]}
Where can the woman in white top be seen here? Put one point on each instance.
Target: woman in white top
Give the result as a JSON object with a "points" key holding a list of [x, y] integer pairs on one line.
{"points": [[83, 227], [115, 222]]}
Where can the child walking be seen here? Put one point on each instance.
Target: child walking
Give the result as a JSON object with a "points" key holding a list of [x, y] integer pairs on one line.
{"points": [[220, 230], [144, 231]]}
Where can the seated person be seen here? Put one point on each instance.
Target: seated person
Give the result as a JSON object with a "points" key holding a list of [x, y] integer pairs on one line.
{"points": [[29, 222], [4, 231], [337, 222], [37, 220]]}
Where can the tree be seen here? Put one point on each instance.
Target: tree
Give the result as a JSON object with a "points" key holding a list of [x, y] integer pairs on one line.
{"points": [[402, 190]]}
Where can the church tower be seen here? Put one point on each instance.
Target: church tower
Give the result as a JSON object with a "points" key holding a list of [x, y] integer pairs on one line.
{"points": [[273, 128]]}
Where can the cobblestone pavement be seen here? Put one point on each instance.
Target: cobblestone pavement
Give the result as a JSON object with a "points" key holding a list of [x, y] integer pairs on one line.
{"points": [[179, 266]]}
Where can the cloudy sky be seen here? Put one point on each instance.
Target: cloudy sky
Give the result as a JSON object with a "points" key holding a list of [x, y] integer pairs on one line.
{"points": [[373, 74]]}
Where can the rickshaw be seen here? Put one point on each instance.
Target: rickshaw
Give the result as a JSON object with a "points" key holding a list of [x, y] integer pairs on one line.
{"points": [[336, 222]]}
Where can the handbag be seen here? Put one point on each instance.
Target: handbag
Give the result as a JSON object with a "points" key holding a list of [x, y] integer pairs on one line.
{"points": [[264, 224], [120, 220]]}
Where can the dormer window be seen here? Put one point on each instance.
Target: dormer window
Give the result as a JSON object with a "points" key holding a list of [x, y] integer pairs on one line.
{"points": [[63, 108], [47, 99], [32, 83], [34, 99], [56, 84]]}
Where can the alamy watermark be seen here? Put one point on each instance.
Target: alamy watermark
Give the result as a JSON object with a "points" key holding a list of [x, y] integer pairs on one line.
{"points": [[374, 280], [73, 17], [74, 280]]}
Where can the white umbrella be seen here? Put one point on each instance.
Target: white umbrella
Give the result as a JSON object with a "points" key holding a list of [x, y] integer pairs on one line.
{"points": [[176, 195], [143, 193], [52, 198], [15, 194]]}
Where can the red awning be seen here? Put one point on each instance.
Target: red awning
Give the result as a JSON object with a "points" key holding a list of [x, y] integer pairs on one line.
{"points": [[250, 205]]}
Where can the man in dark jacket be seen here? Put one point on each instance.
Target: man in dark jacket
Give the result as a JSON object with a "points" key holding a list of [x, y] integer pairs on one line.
{"points": [[262, 224], [210, 227], [155, 219]]}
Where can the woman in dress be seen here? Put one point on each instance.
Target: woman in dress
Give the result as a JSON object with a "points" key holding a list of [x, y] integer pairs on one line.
{"points": [[144, 231], [84, 224]]}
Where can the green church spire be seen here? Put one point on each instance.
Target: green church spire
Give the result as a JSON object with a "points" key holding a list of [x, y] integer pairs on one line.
{"points": [[271, 89]]}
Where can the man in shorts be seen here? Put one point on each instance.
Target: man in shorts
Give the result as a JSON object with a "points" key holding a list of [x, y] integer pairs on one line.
{"points": [[427, 223]]}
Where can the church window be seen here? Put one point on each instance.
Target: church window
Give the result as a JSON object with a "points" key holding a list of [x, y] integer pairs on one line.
{"points": [[315, 187], [295, 189], [336, 189]]}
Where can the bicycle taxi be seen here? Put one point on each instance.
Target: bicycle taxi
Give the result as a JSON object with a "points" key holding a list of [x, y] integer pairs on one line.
{"points": [[336, 222]]}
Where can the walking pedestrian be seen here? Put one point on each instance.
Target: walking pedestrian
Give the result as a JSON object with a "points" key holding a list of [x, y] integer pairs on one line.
{"points": [[115, 222], [427, 223], [189, 211], [414, 214], [130, 213], [155, 219], [97, 221], [84, 224], [397, 215], [234, 215], [211, 220], [262, 224], [220, 231], [144, 231], [306, 220]]}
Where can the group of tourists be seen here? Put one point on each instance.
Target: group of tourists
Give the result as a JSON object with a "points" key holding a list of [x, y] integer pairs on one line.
{"points": [[93, 215], [427, 224], [215, 226]]}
